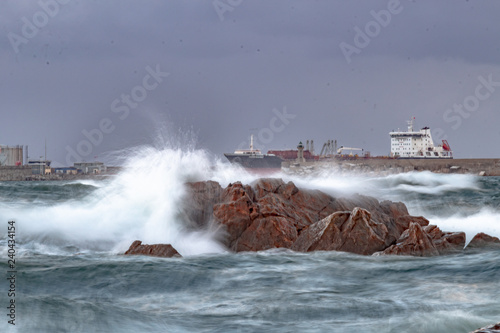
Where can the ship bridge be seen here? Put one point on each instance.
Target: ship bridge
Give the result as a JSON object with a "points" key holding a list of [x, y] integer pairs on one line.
{"points": [[412, 144]]}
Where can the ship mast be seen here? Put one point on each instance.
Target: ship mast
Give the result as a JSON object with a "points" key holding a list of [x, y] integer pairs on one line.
{"points": [[410, 124], [251, 142]]}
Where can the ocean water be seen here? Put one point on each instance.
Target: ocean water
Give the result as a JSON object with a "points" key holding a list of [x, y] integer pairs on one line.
{"points": [[71, 277]]}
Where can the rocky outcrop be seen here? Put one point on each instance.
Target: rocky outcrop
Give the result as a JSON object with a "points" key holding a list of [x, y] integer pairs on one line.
{"points": [[490, 329], [482, 240], [446, 242], [156, 250], [197, 206], [426, 241], [273, 214], [352, 232], [414, 241]]}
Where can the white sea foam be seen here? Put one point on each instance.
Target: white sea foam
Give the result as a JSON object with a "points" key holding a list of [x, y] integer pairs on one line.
{"points": [[429, 183], [143, 202], [386, 187], [486, 220]]}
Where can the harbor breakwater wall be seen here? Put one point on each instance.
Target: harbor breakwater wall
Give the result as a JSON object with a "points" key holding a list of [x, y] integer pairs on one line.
{"points": [[25, 173], [15, 173], [477, 166]]}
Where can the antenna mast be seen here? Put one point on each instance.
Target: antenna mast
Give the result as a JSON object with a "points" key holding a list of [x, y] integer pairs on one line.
{"points": [[410, 124]]}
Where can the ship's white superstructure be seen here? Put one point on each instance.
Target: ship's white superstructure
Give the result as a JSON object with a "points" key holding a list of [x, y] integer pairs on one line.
{"points": [[417, 144]]}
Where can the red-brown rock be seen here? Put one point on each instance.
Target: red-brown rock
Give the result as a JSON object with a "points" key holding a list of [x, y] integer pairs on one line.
{"points": [[236, 212], [426, 241], [272, 213], [482, 240], [490, 329], [267, 233], [415, 242], [197, 207], [322, 235], [352, 232], [155, 250], [403, 222], [446, 242]]}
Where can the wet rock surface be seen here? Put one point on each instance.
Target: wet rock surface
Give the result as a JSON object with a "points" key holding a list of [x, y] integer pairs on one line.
{"points": [[198, 202], [156, 250], [427, 241], [482, 240], [490, 329], [273, 214]]}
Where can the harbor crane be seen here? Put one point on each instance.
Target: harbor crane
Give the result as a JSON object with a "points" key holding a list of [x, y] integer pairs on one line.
{"points": [[329, 148]]}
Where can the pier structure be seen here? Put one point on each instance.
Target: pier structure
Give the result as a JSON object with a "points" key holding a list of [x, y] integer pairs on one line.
{"points": [[476, 166]]}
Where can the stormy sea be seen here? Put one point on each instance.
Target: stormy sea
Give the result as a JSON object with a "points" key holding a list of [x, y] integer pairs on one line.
{"points": [[71, 276]]}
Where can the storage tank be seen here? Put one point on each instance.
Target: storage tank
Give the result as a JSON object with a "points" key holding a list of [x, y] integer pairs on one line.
{"points": [[11, 156]]}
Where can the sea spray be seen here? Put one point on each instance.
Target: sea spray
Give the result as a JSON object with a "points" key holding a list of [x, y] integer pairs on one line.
{"points": [[142, 202], [486, 220], [453, 202], [73, 280]]}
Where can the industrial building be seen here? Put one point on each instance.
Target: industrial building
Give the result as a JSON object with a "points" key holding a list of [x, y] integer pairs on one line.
{"points": [[90, 167], [65, 171], [40, 167], [11, 155]]}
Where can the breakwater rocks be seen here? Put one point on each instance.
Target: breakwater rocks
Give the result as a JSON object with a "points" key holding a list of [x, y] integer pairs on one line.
{"points": [[155, 250], [381, 166], [490, 329], [273, 214]]}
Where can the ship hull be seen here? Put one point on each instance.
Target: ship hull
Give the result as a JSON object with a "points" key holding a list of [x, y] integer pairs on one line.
{"points": [[256, 162], [426, 158]]}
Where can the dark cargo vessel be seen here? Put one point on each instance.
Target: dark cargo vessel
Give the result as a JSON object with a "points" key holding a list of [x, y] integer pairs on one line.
{"points": [[254, 159]]}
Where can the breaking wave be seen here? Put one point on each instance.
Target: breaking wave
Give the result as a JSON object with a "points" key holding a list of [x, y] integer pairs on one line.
{"points": [[144, 200]]}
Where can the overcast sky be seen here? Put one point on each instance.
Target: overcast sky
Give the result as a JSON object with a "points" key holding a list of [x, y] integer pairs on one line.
{"points": [[92, 77]]}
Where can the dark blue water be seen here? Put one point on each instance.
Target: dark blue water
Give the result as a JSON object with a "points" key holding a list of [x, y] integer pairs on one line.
{"points": [[274, 291], [72, 278]]}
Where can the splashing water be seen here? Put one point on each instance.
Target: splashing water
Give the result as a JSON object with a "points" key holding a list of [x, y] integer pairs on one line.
{"points": [[143, 202], [265, 291]]}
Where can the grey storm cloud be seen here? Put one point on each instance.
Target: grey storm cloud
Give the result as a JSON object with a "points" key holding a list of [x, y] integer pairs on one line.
{"points": [[233, 64]]}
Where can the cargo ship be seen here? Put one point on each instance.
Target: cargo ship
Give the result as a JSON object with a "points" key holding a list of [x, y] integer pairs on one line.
{"points": [[254, 158], [408, 144], [417, 144]]}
